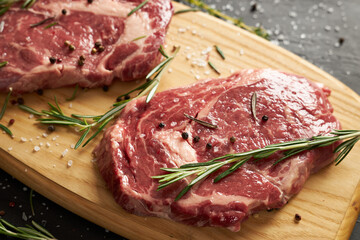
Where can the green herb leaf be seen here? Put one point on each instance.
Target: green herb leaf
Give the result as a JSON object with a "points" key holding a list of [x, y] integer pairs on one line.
{"points": [[4, 63], [3, 109], [213, 67], [42, 22], [220, 52], [74, 93], [186, 10], [206, 124], [6, 130], [82, 138], [30, 110], [138, 7], [138, 38], [51, 25]]}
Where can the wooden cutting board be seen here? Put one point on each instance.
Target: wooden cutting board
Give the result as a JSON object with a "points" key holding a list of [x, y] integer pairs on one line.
{"points": [[328, 204]]}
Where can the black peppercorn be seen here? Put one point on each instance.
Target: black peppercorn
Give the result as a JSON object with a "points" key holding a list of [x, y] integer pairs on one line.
{"points": [[196, 139], [97, 44], [265, 118], [20, 101], [185, 135], [40, 92], [51, 128], [52, 60], [253, 7], [127, 97], [297, 218], [208, 146], [118, 99], [64, 11], [90, 1], [341, 41], [71, 47], [161, 125], [232, 139], [105, 88], [81, 63]]}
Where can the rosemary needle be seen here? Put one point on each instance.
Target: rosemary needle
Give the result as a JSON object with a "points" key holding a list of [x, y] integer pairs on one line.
{"points": [[220, 52], [138, 7], [30, 232], [186, 10], [214, 68], [288, 149], [3, 64]]}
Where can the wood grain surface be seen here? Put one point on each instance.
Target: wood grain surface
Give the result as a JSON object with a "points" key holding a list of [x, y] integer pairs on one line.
{"points": [[328, 204]]}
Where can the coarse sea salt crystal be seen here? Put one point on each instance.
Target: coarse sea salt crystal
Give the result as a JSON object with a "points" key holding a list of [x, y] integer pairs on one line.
{"points": [[72, 146], [48, 144], [31, 116], [36, 148], [70, 105], [182, 30], [69, 163], [23, 139], [10, 148], [44, 135], [64, 152]]}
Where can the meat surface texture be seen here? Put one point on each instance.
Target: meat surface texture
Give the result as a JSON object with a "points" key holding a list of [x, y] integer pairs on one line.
{"points": [[128, 51], [135, 147]]}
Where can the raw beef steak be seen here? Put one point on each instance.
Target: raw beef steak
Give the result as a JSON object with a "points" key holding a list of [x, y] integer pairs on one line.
{"points": [[137, 146], [126, 46]]}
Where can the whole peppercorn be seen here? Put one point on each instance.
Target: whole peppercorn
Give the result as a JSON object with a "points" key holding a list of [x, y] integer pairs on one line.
{"points": [[101, 48], [232, 139], [97, 44], [196, 139], [51, 128], [11, 121], [208, 146], [20, 101], [265, 118], [52, 60], [71, 47], [185, 135], [105, 88], [40, 92], [161, 125], [127, 97], [90, 1], [297, 218], [63, 12]]}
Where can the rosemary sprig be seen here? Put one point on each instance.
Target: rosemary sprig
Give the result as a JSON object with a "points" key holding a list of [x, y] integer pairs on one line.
{"points": [[35, 232], [237, 22], [138, 7], [214, 68], [288, 149], [4, 63], [6, 4], [56, 116], [201, 122]]}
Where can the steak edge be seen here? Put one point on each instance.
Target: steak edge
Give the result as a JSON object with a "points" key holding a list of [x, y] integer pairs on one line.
{"points": [[28, 49], [135, 147]]}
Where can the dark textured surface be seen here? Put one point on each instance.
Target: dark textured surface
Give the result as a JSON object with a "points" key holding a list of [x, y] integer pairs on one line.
{"points": [[310, 29]]}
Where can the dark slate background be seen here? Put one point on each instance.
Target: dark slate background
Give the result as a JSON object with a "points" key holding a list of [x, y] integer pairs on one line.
{"points": [[310, 29]]}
